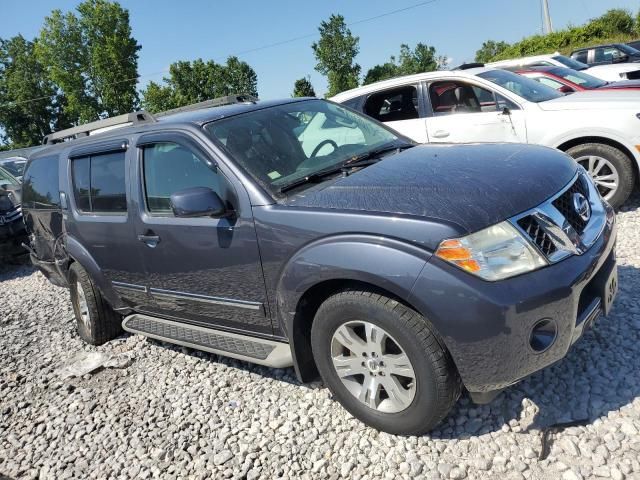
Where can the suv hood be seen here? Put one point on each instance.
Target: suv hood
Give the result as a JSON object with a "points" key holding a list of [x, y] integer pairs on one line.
{"points": [[599, 99], [472, 186]]}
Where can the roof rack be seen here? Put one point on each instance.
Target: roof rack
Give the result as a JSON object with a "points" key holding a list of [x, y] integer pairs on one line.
{"points": [[85, 130], [216, 102], [137, 118]]}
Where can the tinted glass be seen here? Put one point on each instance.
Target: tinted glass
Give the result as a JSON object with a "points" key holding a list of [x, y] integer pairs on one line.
{"points": [[81, 185], [169, 168], [107, 183], [524, 87], [6, 178], [628, 49], [579, 78], [352, 103], [280, 145], [578, 62], [40, 184]]}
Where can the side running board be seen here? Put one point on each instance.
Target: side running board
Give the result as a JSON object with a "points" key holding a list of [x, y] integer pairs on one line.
{"points": [[251, 349]]}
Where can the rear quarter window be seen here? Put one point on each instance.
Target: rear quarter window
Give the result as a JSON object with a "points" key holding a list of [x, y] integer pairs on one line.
{"points": [[40, 185]]}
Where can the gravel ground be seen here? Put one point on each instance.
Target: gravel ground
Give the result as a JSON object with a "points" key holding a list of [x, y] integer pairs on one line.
{"points": [[176, 413]]}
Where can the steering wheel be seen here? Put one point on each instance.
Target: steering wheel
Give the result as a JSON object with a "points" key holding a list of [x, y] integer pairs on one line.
{"points": [[322, 144]]}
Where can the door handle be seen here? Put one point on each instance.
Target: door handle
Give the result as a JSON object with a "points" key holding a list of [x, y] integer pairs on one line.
{"points": [[441, 134], [151, 241]]}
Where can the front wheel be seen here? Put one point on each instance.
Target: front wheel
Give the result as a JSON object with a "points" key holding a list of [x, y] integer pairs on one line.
{"points": [[382, 362], [610, 168]]}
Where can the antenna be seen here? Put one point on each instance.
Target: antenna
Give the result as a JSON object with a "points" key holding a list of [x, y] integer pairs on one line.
{"points": [[548, 27]]}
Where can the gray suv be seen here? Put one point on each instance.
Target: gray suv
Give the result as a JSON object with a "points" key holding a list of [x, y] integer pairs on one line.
{"points": [[301, 233]]}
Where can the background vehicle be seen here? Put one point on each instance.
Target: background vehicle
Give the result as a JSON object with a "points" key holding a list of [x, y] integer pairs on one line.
{"points": [[610, 72], [599, 129], [14, 165], [607, 54], [216, 229], [12, 230], [567, 80], [635, 44]]}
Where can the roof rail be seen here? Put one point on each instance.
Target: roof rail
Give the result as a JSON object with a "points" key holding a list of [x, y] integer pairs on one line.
{"points": [[215, 102], [467, 66], [124, 120]]}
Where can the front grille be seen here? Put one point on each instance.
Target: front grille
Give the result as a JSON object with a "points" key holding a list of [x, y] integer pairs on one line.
{"points": [[531, 226], [564, 204]]}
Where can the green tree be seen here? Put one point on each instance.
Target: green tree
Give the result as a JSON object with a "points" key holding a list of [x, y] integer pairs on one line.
{"points": [[335, 53], [92, 58], [29, 104], [422, 58], [192, 82], [490, 49], [616, 21], [303, 88]]}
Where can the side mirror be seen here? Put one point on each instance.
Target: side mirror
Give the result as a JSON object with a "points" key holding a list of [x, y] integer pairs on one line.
{"points": [[197, 202], [566, 89], [506, 111]]}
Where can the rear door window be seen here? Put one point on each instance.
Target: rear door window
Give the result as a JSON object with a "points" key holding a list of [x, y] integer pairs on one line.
{"points": [[580, 56], [99, 183], [393, 105], [40, 187]]}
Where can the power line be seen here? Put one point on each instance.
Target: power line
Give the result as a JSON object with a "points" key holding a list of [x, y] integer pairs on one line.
{"points": [[245, 52]]}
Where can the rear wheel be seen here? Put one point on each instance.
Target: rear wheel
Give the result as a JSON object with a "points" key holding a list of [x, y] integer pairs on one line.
{"points": [[96, 321], [609, 167], [383, 363]]}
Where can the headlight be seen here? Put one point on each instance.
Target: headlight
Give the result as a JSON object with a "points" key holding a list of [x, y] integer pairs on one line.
{"points": [[494, 253]]}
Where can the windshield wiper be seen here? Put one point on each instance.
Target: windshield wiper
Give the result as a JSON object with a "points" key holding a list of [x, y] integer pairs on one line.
{"points": [[362, 160], [373, 156]]}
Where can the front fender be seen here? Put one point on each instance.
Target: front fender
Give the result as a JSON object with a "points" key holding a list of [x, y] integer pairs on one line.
{"points": [[84, 258], [384, 263]]}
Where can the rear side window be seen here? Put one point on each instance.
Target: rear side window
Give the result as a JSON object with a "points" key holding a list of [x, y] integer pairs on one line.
{"points": [[352, 103], [393, 105], [99, 183], [580, 56], [40, 187]]}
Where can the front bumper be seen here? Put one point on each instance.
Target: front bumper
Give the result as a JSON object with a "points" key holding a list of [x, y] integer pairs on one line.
{"points": [[487, 326], [12, 235]]}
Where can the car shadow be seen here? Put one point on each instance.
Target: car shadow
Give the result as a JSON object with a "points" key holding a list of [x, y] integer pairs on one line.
{"points": [[12, 271]]}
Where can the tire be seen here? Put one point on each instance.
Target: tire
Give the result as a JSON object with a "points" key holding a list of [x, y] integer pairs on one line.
{"points": [[96, 321], [616, 162], [423, 402]]}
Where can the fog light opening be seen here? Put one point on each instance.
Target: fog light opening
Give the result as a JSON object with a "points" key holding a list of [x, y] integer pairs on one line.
{"points": [[543, 334]]}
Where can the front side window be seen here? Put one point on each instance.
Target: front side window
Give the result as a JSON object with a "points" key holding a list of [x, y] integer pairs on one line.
{"points": [[451, 97], [169, 168], [282, 144], [522, 86], [99, 183], [393, 105], [607, 54]]}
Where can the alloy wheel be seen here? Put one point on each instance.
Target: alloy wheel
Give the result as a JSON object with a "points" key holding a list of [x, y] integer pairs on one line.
{"points": [[373, 367], [603, 173], [83, 307]]}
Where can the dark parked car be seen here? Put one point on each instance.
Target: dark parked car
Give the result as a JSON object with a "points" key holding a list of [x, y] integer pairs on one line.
{"points": [[635, 44], [606, 54], [14, 165], [299, 232], [12, 231]]}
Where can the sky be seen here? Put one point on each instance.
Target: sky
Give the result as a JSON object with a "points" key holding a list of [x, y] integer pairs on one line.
{"points": [[170, 30]]}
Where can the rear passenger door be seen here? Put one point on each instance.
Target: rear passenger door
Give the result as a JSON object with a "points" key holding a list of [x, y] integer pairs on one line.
{"points": [[203, 270], [400, 108], [101, 217]]}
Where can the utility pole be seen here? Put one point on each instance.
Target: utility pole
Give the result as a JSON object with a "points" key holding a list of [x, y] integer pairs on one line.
{"points": [[548, 27]]}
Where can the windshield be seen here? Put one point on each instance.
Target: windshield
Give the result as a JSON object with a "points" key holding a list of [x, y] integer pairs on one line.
{"points": [[15, 166], [579, 78], [627, 49], [525, 87], [570, 62], [6, 178], [283, 144]]}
